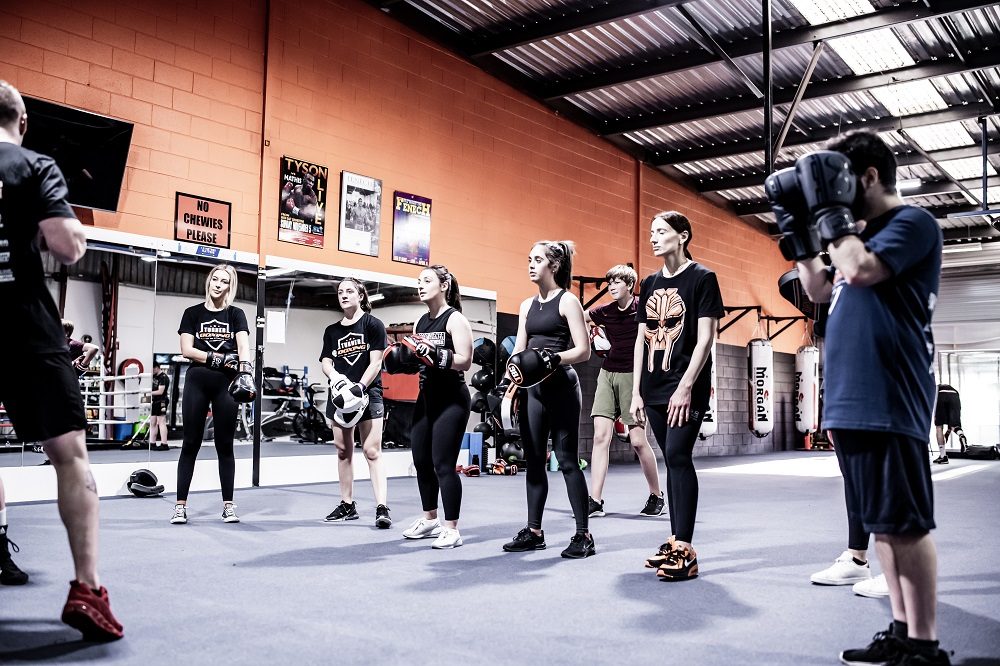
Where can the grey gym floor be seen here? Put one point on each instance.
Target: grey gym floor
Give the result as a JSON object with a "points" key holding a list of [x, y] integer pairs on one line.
{"points": [[284, 587]]}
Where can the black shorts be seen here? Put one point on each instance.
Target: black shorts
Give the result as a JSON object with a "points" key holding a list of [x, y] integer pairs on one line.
{"points": [[887, 481], [41, 394], [948, 410], [158, 408], [375, 409]]}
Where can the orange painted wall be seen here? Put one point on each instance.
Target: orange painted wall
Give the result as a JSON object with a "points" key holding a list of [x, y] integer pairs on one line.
{"points": [[188, 74], [352, 89]]}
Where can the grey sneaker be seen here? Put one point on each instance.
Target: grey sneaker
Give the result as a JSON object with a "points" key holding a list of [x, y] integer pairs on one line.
{"points": [[229, 513], [180, 516]]}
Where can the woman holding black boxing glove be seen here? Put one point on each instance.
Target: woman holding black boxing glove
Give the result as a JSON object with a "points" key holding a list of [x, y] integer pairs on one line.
{"points": [[442, 344], [216, 339], [551, 337]]}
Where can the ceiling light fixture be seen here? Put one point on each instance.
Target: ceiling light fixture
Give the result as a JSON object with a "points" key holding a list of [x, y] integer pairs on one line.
{"points": [[963, 247]]}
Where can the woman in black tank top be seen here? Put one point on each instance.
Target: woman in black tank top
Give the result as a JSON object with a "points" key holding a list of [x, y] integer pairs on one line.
{"points": [[553, 321], [441, 413]]}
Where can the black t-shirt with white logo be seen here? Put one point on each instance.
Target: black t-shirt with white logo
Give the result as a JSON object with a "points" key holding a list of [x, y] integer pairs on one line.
{"points": [[670, 308], [349, 346], [32, 189], [161, 379], [435, 330], [214, 331]]}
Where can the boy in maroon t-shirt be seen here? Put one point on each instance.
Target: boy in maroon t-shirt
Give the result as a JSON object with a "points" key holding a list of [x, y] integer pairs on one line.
{"points": [[614, 391]]}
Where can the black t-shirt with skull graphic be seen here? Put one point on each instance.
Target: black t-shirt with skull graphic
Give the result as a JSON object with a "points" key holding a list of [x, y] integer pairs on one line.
{"points": [[214, 331], [349, 346], [670, 308]]}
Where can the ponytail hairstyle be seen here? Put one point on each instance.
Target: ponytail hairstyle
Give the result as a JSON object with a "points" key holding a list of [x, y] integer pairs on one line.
{"points": [[679, 223], [560, 256], [366, 304], [449, 284]]}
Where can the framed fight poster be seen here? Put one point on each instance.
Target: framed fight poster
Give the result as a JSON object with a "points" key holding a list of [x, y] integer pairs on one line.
{"points": [[302, 205], [411, 229], [360, 213]]}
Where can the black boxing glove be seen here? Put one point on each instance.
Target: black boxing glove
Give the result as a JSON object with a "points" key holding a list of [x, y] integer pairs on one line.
{"points": [[399, 360], [532, 366], [223, 362], [829, 187], [799, 238], [242, 388], [430, 354]]}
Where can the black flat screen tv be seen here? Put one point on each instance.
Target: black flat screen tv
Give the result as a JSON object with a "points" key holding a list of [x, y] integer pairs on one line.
{"points": [[91, 150]]}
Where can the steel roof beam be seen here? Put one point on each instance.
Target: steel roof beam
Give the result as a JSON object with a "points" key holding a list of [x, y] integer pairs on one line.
{"points": [[816, 90], [672, 63], [756, 179], [819, 134], [511, 36]]}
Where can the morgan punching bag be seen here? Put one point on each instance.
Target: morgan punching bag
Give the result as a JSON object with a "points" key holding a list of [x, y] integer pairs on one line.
{"points": [[709, 426], [807, 389], [760, 372]]}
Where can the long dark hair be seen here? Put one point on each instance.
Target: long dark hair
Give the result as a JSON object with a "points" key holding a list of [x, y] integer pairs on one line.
{"points": [[452, 296], [679, 223], [560, 254], [366, 304]]}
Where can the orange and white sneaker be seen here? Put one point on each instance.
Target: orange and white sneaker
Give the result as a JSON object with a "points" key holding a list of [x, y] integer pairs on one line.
{"points": [[681, 564], [660, 556]]}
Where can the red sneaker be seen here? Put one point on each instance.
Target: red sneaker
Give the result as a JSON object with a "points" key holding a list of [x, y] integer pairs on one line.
{"points": [[89, 612]]}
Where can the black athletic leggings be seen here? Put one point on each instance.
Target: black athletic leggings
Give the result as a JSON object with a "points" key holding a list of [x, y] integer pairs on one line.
{"points": [[677, 445], [553, 407], [439, 421], [857, 537], [201, 388]]}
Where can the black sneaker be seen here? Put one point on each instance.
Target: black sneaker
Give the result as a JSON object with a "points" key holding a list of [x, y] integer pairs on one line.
{"points": [[580, 546], [885, 648], [524, 541], [654, 505], [9, 573], [382, 519], [595, 509], [941, 460], [344, 511], [940, 658]]}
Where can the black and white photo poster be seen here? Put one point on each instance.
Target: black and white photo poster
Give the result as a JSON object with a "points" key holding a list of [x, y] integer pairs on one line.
{"points": [[360, 213]]}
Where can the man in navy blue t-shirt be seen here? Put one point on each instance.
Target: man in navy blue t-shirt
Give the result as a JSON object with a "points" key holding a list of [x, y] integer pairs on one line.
{"points": [[879, 382]]}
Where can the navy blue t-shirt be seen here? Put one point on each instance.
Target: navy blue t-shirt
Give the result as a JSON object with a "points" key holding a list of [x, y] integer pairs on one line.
{"points": [[879, 346]]}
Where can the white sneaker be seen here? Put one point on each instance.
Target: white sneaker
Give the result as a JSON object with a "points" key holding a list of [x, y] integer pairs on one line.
{"points": [[180, 516], [875, 588], [843, 571], [447, 539], [421, 528], [229, 514]]}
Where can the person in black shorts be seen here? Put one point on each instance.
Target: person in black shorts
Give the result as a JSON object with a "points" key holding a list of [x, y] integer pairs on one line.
{"points": [[39, 387], [442, 344], [678, 313], [947, 420], [216, 339], [160, 396], [886, 265], [551, 331], [352, 360]]}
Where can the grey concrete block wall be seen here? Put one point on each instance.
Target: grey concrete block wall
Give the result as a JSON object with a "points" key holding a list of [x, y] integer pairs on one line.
{"points": [[733, 437]]}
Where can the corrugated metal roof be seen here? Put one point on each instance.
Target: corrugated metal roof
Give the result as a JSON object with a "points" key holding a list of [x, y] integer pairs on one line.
{"points": [[620, 50]]}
